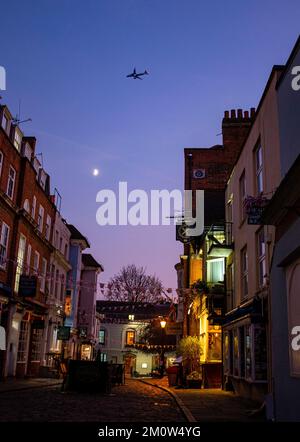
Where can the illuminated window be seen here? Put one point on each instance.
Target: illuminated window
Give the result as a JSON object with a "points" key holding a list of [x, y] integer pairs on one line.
{"points": [[131, 317], [102, 337], [130, 337], [144, 365]]}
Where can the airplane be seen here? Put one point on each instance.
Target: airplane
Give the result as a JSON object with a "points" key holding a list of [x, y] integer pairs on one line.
{"points": [[134, 75]]}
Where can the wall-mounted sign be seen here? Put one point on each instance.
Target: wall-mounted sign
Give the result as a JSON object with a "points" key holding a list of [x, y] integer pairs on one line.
{"points": [[199, 174], [181, 234], [27, 286], [174, 328], [254, 207], [63, 333]]}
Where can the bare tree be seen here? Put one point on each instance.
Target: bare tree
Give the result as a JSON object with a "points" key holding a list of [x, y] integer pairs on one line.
{"points": [[132, 284]]}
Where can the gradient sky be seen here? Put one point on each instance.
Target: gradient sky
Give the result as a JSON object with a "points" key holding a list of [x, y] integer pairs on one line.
{"points": [[67, 60]]}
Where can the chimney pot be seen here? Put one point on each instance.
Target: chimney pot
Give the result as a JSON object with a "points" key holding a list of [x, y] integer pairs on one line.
{"points": [[252, 111], [226, 114], [232, 113], [240, 113], [246, 114]]}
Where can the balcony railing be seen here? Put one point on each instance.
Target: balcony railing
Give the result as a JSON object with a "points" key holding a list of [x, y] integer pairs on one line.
{"points": [[219, 240]]}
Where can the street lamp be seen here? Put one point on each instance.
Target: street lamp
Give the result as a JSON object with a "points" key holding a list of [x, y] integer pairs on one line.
{"points": [[163, 323]]}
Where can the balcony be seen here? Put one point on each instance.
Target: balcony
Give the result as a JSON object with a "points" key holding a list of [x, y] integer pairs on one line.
{"points": [[219, 240]]}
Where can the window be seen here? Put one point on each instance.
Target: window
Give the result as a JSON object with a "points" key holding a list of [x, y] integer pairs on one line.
{"points": [[26, 206], [56, 283], [66, 251], [261, 257], [44, 272], [28, 258], [11, 182], [23, 337], [36, 262], [244, 272], [52, 279], [248, 351], [20, 261], [41, 218], [33, 207], [235, 352], [62, 287], [60, 244], [242, 188], [3, 244], [130, 337], [1, 162], [5, 122], [259, 169], [102, 337], [242, 351], [36, 343], [230, 286], [103, 357], [215, 270], [131, 317], [17, 140], [56, 235], [48, 228]]}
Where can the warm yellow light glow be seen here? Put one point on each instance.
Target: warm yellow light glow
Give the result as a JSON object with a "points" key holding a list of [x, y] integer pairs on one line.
{"points": [[163, 323]]}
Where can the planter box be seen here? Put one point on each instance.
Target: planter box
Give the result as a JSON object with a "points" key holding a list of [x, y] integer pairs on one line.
{"points": [[194, 383]]}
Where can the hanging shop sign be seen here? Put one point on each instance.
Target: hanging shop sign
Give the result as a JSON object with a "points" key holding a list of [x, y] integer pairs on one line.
{"points": [[174, 328], [27, 286], [63, 333], [254, 208]]}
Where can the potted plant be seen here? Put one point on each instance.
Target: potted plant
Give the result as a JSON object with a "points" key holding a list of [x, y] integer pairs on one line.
{"points": [[190, 349], [194, 380]]}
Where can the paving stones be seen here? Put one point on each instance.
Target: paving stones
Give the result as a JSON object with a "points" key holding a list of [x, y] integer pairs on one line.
{"points": [[132, 402]]}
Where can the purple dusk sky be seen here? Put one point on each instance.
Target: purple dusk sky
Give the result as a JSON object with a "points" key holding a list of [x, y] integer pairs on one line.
{"points": [[67, 60]]}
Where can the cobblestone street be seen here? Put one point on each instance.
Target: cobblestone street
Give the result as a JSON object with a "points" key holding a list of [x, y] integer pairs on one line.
{"points": [[133, 402]]}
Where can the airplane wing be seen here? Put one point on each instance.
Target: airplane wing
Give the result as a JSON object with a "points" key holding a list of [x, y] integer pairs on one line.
{"points": [[137, 76]]}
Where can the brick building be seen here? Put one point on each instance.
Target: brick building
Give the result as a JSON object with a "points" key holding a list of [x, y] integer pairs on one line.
{"points": [[208, 169], [27, 216]]}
